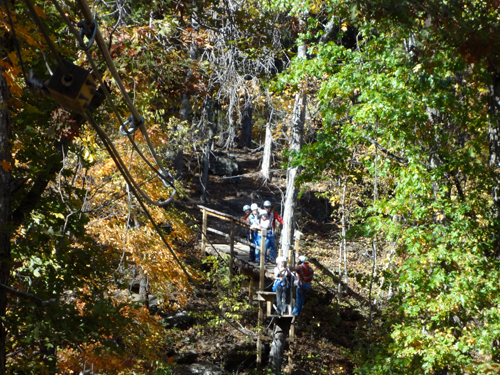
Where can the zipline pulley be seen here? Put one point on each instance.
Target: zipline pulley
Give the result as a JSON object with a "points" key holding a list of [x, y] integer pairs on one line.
{"points": [[74, 92]]}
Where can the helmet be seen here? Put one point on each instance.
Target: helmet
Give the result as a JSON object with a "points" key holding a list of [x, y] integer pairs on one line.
{"points": [[263, 212], [254, 206], [280, 259], [267, 204], [303, 259], [246, 207]]}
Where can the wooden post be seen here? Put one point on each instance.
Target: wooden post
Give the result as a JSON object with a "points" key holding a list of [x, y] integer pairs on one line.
{"points": [[261, 304], [296, 245], [204, 232], [231, 251]]}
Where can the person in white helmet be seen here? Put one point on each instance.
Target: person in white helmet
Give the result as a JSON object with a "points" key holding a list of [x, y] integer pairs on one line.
{"points": [[305, 275], [282, 284], [273, 217], [253, 218], [264, 223]]}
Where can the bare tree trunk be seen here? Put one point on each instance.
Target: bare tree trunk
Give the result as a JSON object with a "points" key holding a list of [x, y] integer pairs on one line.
{"points": [[208, 147], [295, 143], [266, 157], [5, 207], [246, 122]]}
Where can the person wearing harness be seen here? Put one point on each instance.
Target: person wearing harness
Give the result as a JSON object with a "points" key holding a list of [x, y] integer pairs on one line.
{"points": [[264, 223], [253, 218], [305, 276], [273, 216], [282, 283]]}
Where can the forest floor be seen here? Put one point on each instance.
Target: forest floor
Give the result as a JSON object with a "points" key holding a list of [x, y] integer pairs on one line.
{"points": [[331, 329]]}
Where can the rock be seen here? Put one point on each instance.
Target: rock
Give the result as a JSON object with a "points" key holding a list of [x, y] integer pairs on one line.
{"points": [[186, 358], [181, 319], [201, 368], [222, 164], [153, 300]]}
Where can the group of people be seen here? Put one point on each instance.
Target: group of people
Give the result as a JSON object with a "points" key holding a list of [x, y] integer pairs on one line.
{"points": [[259, 219], [285, 277]]}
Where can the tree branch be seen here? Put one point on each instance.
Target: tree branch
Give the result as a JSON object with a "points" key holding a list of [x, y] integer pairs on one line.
{"points": [[37, 301], [386, 152]]}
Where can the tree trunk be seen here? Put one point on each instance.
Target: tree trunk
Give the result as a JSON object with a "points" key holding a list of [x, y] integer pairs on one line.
{"points": [[295, 143], [278, 345], [266, 157], [246, 122], [5, 207], [208, 147]]}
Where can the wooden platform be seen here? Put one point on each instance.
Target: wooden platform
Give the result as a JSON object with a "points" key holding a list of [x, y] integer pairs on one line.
{"points": [[242, 253]]}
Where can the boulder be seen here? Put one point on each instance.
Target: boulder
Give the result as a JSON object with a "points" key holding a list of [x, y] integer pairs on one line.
{"points": [[181, 319], [222, 164]]}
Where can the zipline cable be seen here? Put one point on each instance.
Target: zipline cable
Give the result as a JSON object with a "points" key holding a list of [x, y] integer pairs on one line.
{"points": [[138, 120], [52, 47], [115, 110]]}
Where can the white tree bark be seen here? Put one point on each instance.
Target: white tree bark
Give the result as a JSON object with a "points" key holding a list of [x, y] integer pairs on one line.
{"points": [[266, 157], [295, 143]]}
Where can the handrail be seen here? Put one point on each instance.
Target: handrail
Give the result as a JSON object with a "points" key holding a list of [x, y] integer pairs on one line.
{"points": [[224, 216]]}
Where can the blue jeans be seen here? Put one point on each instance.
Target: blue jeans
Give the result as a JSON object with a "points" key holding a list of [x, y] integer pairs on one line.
{"points": [[302, 289], [257, 250], [271, 247]]}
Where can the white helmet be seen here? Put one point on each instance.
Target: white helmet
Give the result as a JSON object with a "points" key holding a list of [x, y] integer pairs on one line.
{"points": [[267, 204], [280, 259], [303, 259], [246, 207], [263, 212], [254, 206]]}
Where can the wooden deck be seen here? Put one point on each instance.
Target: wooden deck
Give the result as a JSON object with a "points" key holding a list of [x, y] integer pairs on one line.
{"points": [[242, 254]]}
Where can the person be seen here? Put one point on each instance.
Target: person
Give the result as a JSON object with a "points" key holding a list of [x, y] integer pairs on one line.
{"points": [[305, 276], [253, 218], [282, 283], [263, 223], [273, 217], [248, 211]]}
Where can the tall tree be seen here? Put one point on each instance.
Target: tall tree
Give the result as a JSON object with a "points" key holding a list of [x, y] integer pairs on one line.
{"points": [[294, 145]]}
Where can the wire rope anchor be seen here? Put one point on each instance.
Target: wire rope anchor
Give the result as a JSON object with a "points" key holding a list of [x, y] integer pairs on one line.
{"points": [[134, 125], [88, 31]]}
